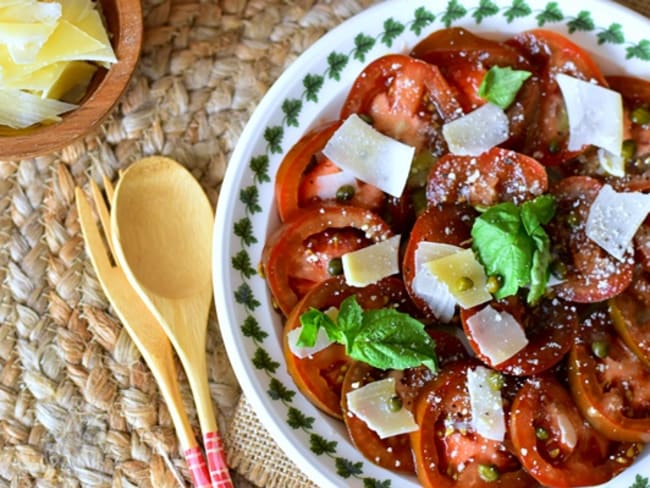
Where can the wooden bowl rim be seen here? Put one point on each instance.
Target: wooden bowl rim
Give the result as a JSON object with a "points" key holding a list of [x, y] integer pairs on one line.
{"points": [[97, 106]]}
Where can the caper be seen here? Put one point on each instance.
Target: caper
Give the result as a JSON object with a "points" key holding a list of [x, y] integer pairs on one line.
{"points": [[345, 193], [488, 472], [641, 116], [541, 433], [335, 267], [554, 147], [600, 349], [553, 453], [395, 404], [366, 118], [629, 149], [493, 284], [559, 269], [573, 219], [496, 381], [465, 283]]}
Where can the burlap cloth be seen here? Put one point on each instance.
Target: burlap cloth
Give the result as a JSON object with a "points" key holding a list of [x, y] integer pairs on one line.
{"points": [[78, 406]]}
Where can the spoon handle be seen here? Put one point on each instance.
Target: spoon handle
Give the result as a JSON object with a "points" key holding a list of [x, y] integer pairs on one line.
{"points": [[198, 469], [217, 463]]}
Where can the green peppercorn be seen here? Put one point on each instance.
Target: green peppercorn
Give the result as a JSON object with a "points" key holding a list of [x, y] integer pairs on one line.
{"points": [[345, 193], [496, 381], [493, 284], [488, 472], [629, 149], [640, 115], [541, 433], [600, 349], [465, 283], [394, 404], [335, 267]]}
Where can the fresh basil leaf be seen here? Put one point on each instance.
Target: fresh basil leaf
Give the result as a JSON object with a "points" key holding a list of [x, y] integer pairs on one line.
{"points": [[539, 270], [504, 248], [312, 320], [390, 339], [534, 214], [349, 319], [384, 338], [537, 212], [501, 85]]}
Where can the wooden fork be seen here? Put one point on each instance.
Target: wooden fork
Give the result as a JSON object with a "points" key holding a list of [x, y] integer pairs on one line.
{"points": [[141, 325]]}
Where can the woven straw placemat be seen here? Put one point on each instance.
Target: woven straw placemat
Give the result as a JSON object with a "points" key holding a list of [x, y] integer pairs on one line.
{"points": [[78, 406]]}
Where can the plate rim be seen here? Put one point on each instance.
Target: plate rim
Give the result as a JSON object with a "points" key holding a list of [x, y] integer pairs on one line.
{"points": [[222, 273]]}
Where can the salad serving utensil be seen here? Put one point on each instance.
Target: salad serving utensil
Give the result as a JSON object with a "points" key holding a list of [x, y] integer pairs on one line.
{"points": [[162, 235], [142, 326]]}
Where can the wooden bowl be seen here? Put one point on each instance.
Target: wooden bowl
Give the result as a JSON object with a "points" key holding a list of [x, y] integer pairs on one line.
{"points": [[124, 25]]}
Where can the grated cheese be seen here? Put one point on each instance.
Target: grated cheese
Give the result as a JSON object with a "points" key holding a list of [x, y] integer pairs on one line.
{"points": [[478, 131], [371, 404], [595, 114], [498, 335], [614, 218], [370, 155]]}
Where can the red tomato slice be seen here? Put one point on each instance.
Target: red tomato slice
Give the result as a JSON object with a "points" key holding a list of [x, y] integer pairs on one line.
{"points": [[550, 328], [610, 384], [631, 319], [496, 176], [406, 98], [448, 224], [552, 53], [636, 94], [572, 453], [297, 256], [448, 452], [592, 274], [320, 376], [392, 453], [395, 452], [296, 180], [464, 59]]}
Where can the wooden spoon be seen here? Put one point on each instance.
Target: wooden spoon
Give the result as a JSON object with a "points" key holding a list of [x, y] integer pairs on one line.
{"points": [[162, 234]]}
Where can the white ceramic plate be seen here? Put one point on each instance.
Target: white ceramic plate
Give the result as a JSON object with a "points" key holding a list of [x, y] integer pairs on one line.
{"points": [[309, 92]]}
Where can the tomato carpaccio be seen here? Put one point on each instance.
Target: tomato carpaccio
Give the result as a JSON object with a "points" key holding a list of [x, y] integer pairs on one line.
{"points": [[574, 395]]}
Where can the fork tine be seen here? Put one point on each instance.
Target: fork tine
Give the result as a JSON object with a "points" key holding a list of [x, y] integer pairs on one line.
{"points": [[94, 244], [108, 188], [102, 210]]}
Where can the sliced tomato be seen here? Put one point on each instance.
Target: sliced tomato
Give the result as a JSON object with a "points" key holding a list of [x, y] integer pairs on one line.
{"points": [[636, 95], [447, 451], [554, 443], [552, 53], [448, 224], [550, 328], [406, 99], [642, 245], [297, 256], [498, 175], [464, 59], [630, 313], [296, 182], [394, 452], [609, 383], [320, 376], [457, 44], [592, 274]]}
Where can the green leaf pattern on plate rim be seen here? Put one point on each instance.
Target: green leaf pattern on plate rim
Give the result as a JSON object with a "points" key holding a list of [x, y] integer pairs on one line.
{"points": [[292, 107]]}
